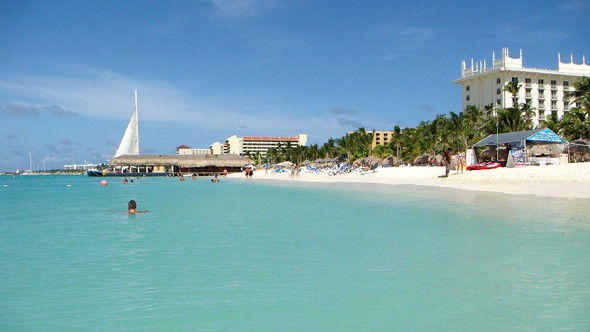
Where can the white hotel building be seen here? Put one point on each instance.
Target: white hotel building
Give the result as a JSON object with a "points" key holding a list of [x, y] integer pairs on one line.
{"points": [[543, 89], [252, 145]]}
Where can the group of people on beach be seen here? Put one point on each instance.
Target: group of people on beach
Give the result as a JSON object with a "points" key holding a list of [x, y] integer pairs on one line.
{"points": [[249, 172], [458, 161]]}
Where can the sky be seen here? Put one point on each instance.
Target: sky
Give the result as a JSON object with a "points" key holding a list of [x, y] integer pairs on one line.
{"points": [[209, 69]]}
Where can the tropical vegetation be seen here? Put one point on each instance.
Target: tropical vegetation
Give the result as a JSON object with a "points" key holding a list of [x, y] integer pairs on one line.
{"points": [[457, 131]]}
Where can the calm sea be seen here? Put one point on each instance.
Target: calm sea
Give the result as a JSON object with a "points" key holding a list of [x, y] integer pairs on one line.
{"points": [[243, 255]]}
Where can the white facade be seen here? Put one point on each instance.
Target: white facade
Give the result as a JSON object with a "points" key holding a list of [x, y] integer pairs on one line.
{"points": [[253, 145], [80, 167], [543, 89], [183, 149]]}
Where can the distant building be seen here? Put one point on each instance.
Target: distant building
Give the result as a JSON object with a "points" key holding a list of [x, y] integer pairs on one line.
{"points": [[183, 149], [543, 89], [381, 137], [253, 145], [80, 167]]}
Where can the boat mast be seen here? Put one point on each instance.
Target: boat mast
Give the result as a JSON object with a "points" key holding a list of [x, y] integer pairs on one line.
{"points": [[137, 122], [30, 162]]}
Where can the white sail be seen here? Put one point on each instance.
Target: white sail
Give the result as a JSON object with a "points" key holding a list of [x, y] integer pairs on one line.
{"points": [[130, 141]]}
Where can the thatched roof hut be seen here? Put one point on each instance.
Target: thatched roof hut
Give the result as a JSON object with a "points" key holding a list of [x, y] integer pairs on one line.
{"points": [[489, 154], [580, 146], [369, 161], [553, 150], [579, 150], [391, 161], [426, 158], [183, 161]]}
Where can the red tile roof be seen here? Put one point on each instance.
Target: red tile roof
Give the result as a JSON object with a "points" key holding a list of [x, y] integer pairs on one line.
{"points": [[267, 138], [182, 147]]}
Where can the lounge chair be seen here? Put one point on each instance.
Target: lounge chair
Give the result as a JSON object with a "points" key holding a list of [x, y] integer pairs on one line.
{"points": [[370, 170]]}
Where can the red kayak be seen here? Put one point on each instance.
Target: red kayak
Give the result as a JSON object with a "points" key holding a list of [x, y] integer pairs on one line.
{"points": [[488, 165]]}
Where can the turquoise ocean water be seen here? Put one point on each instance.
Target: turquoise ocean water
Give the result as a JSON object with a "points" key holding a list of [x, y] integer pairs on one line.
{"points": [[256, 256]]}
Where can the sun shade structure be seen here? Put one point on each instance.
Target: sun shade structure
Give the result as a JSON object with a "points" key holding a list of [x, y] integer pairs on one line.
{"points": [[182, 161], [519, 138]]}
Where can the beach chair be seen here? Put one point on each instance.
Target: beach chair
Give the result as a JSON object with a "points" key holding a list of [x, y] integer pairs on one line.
{"points": [[370, 170]]}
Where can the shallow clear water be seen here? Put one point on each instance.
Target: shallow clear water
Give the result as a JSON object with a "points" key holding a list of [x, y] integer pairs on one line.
{"points": [[254, 256]]}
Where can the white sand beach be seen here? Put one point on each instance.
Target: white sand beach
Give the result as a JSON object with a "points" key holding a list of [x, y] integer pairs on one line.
{"points": [[567, 181]]}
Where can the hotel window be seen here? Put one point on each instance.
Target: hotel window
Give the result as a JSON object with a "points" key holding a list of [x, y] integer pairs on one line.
{"points": [[467, 88], [515, 79], [541, 93], [566, 83], [527, 80], [498, 80], [498, 91], [498, 101], [529, 101], [553, 103], [553, 82], [540, 81], [468, 97]]}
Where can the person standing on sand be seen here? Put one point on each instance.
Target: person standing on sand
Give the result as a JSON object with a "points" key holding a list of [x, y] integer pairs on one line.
{"points": [[447, 160], [460, 161], [225, 172]]}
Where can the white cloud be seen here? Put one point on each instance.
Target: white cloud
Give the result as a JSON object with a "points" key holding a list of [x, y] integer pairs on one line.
{"points": [[234, 9], [408, 37], [104, 93]]}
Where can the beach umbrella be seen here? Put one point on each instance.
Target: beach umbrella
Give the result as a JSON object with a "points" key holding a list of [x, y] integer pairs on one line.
{"points": [[306, 162], [391, 161], [422, 160], [285, 164]]}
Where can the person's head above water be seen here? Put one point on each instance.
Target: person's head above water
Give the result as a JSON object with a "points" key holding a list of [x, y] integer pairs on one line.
{"points": [[131, 206]]}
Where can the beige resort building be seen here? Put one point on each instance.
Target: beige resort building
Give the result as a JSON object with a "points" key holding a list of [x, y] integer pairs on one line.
{"points": [[543, 89], [252, 145]]}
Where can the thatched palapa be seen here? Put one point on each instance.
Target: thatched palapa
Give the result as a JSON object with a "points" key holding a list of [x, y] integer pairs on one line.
{"points": [[183, 162]]}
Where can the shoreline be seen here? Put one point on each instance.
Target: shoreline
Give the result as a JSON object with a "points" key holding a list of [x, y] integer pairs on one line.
{"points": [[559, 181]]}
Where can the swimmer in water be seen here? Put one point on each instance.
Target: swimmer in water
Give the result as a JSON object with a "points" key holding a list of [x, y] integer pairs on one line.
{"points": [[125, 180], [132, 206]]}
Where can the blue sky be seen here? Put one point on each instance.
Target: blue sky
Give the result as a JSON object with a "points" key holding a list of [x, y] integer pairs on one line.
{"points": [[207, 69]]}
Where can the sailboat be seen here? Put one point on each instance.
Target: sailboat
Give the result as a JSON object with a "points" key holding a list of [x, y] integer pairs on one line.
{"points": [[129, 143], [30, 170]]}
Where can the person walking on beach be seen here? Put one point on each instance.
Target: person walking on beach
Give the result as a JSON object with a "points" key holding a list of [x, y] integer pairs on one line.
{"points": [[225, 172], [447, 159], [460, 161]]}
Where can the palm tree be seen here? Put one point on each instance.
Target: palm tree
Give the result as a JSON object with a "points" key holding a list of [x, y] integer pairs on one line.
{"points": [[553, 122], [576, 124], [396, 140], [346, 146], [581, 94], [513, 87]]}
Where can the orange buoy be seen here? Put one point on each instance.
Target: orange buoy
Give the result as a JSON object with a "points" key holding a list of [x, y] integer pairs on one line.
{"points": [[103, 183]]}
